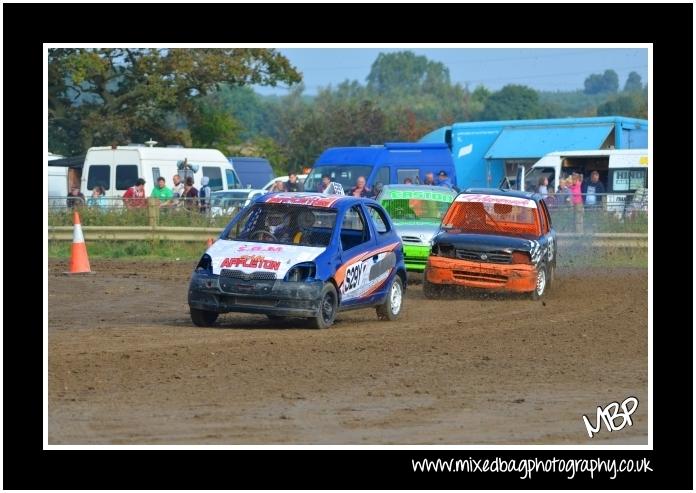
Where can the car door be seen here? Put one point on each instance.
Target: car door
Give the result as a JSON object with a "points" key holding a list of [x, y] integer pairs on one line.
{"points": [[356, 244], [547, 240]]}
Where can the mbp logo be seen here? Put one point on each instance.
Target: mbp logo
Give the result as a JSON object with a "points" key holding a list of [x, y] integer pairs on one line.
{"points": [[610, 413]]}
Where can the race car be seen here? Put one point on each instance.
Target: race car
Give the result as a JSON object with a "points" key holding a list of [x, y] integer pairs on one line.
{"points": [[493, 239], [302, 255], [416, 211]]}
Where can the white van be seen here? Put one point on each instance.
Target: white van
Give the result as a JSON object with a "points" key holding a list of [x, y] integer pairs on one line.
{"points": [[57, 182], [117, 168], [622, 171]]}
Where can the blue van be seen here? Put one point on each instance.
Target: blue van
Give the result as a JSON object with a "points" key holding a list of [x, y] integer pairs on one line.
{"points": [[254, 172], [386, 164]]}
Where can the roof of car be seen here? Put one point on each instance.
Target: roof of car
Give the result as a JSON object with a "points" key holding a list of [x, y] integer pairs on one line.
{"points": [[504, 193], [313, 199]]}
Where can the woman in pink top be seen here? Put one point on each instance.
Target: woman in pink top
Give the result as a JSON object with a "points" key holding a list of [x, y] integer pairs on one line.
{"points": [[576, 200], [575, 190]]}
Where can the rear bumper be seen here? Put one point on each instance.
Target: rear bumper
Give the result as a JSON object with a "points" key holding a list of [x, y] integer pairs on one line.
{"points": [[272, 297], [518, 278], [416, 256]]}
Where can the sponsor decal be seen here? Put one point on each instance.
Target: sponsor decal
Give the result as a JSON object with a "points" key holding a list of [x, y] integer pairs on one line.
{"points": [[259, 248], [301, 199], [365, 276], [497, 199], [463, 151], [251, 261], [420, 194]]}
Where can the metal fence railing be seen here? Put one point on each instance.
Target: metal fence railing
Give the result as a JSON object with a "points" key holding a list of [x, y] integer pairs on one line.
{"points": [[611, 213], [117, 211], [599, 213]]}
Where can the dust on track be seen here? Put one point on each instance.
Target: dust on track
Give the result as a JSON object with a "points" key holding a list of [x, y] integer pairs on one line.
{"points": [[127, 366]]}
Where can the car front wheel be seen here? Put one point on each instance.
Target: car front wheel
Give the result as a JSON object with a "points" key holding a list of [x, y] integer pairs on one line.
{"points": [[328, 306], [431, 290], [203, 318], [541, 282]]}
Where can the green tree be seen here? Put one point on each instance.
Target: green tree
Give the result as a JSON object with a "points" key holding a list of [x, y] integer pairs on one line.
{"points": [[404, 71], [633, 105], [212, 127], [599, 83], [248, 108], [513, 102], [633, 83], [104, 96]]}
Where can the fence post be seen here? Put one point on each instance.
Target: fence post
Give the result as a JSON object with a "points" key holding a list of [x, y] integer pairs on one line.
{"points": [[153, 212]]}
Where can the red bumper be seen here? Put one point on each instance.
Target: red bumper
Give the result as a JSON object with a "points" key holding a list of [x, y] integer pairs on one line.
{"points": [[520, 278]]}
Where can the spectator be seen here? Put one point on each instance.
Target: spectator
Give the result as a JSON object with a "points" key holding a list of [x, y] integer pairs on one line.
{"points": [[98, 198], [360, 190], [178, 188], [204, 195], [377, 189], [292, 185], [562, 197], [278, 186], [408, 181], [161, 192], [591, 190], [576, 200], [543, 187], [429, 179], [190, 194], [443, 179], [135, 195], [75, 198], [325, 184]]}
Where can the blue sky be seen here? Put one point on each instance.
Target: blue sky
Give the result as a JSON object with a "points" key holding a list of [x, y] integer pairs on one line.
{"points": [[548, 69]]}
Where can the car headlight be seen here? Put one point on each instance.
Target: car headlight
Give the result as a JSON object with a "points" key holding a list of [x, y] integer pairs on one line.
{"points": [[302, 272], [205, 264]]}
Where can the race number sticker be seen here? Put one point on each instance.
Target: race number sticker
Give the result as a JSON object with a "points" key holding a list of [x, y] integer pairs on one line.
{"points": [[551, 248], [364, 277]]}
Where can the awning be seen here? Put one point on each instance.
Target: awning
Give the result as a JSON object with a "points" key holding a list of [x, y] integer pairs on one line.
{"points": [[535, 142], [70, 162]]}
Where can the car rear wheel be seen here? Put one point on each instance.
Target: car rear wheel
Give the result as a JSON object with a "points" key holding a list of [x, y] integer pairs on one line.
{"points": [[203, 318], [328, 306], [541, 282], [391, 308]]}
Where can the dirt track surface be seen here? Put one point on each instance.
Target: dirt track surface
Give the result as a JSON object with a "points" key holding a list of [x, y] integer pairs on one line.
{"points": [[126, 366]]}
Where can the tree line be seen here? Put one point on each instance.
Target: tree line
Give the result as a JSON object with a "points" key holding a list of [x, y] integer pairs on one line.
{"points": [[203, 98]]}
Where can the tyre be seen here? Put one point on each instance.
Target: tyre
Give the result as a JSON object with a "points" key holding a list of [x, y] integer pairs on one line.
{"points": [[551, 281], [541, 282], [431, 290], [203, 318], [328, 306], [394, 302]]}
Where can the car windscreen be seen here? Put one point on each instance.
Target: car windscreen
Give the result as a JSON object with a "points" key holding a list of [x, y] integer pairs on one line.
{"points": [[345, 174], [416, 205], [284, 224], [491, 218]]}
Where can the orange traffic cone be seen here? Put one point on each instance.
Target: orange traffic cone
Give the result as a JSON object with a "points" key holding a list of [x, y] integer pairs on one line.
{"points": [[79, 263], [210, 242]]}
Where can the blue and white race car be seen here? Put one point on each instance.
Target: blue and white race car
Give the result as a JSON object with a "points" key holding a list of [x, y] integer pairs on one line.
{"points": [[302, 255]]}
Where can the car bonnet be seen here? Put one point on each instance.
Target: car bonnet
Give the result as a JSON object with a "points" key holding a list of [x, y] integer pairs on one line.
{"points": [[259, 257]]}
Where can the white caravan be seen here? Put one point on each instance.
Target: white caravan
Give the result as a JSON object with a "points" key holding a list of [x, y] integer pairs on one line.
{"points": [[622, 171]]}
